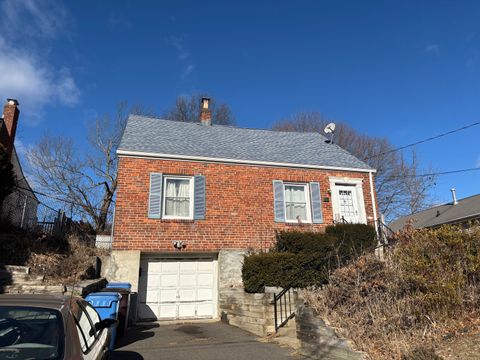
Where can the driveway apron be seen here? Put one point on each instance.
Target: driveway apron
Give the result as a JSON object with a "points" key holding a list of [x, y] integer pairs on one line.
{"points": [[196, 341]]}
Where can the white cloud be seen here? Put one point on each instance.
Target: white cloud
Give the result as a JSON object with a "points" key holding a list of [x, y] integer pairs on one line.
{"points": [[188, 70], [31, 18], [25, 73], [432, 49], [183, 55], [477, 164]]}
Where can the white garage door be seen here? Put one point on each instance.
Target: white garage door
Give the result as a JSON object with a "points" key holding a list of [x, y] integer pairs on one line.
{"points": [[177, 289]]}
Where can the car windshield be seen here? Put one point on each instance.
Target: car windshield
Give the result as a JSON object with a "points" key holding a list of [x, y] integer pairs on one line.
{"points": [[30, 333]]}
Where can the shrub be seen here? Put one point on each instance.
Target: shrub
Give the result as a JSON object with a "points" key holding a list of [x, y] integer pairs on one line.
{"points": [[427, 287], [353, 238], [302, 259], [283, 270], [296, 242], [436, 264]]}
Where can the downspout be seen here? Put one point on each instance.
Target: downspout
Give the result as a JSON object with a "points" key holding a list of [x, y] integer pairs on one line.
{"points": [[374, 205]]}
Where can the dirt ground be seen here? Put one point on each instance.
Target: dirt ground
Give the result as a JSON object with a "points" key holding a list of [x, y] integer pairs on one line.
{"points": [[464, 346]]}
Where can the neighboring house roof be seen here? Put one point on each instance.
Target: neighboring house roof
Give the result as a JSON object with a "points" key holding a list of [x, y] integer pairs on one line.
{"points": [[146, 136], [21, 180], [466, 209]]}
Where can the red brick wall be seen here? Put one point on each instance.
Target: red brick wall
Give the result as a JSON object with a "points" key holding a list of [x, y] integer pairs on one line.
{"points": [[239, 205]]}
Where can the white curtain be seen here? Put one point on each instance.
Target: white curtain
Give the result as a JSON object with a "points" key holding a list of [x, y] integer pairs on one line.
{"points": [[295, 202], [177, 198]]}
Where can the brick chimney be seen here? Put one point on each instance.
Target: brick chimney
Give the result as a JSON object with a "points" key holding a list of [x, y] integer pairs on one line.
{"points": [[10, 119], [205, 112]]}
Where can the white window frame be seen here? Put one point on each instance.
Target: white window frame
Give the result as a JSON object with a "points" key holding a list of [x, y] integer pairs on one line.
{"points": [[164, 192], [357, 183], [306, 188]]}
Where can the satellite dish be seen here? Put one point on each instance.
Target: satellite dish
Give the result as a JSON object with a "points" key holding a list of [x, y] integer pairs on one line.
{"points": [[330, 128]]}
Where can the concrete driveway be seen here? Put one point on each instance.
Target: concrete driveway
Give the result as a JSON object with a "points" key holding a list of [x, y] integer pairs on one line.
{"points": [[196, 341]]}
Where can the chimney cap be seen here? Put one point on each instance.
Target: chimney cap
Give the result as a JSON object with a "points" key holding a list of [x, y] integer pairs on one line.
{"points": [[12, 102], [205, 101]]}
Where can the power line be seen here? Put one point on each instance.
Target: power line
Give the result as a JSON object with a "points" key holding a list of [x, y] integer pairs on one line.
{"points": [[439, 173], [424, 140]]}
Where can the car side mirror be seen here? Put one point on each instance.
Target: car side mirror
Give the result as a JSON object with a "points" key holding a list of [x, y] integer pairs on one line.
{"points": [[105, 323]]}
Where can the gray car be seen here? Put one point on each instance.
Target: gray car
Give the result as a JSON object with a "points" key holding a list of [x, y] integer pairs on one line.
{"points": [[51, 327]]}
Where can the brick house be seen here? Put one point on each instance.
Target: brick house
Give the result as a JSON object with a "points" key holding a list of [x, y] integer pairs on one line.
{"points": [[193, 198]]}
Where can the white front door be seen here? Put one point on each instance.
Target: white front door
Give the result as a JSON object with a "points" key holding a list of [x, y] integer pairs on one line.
{"points": [[177, 289], [347, 198]]}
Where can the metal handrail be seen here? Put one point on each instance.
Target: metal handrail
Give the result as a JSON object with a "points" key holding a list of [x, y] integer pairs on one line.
{"points": [[284, 306]]}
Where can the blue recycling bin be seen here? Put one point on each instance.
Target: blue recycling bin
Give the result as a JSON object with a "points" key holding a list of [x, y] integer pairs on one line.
{"points": [[106, 304], [122, 288], [119, 285]]}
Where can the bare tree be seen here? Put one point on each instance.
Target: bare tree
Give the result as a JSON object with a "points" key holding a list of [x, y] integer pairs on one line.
{"points": [[399, 189], [187, 109], [89, 181]]}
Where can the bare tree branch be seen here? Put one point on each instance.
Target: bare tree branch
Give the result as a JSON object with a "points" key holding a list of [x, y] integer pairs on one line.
{"points": [[187, 109]]}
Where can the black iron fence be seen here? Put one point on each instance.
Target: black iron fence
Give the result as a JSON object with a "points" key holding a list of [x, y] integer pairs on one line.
{"points": [[24, 209], [283, 307]]}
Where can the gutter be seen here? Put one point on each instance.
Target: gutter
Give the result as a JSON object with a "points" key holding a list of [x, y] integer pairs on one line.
{"points": [[374, 205], [148, 155]]}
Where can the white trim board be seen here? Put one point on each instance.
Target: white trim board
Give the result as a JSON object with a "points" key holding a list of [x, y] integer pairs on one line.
{"points": [[139, 154], [354, 182]]}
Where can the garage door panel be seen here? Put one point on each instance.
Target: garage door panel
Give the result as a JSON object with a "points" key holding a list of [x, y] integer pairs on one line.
{"points": [[168, 295], [189, 266], [205, 280], [204, 294], [205, 310], [188, 280], [152, 296], [186, 310], [168, 280], [153, 267], [186, 295], [167, 311], [205, 266], [152, 279], [169, 267]]}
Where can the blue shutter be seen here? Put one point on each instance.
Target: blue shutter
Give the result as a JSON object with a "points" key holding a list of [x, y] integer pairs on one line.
{"points": [[155, 196], [316, 200], [278, 201], [199, 198]]}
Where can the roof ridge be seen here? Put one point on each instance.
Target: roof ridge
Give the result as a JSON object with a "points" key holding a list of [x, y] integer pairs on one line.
{"points": [[231, 126], [437, 206]]}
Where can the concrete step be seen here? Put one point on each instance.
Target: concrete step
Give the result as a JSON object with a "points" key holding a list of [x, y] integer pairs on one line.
{"points": [[6, 278], [287, 335], [15, 269]]}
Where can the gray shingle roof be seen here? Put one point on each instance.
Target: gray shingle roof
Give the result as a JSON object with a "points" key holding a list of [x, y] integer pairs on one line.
{"points": [[465, 209], [157, 136]]}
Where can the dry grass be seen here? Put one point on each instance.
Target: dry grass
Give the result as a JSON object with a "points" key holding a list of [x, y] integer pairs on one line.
{"points": [[61, 260], [427, 291]]}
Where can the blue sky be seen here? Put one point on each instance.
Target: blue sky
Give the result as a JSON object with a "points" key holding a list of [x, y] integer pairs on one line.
{"points": [[402, 70]]}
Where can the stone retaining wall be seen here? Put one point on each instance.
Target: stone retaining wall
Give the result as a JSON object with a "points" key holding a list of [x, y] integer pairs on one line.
{"points": [[251, 312], [318, 340]]}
